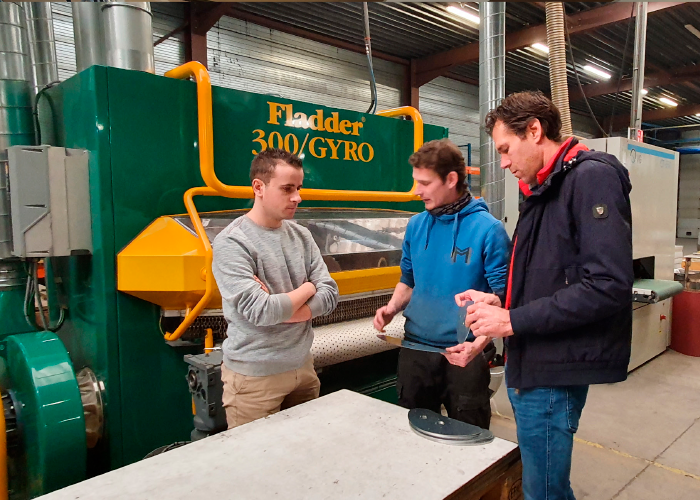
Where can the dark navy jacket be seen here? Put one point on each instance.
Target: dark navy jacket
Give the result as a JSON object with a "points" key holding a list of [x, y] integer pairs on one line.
{"points": [[570, 285]]}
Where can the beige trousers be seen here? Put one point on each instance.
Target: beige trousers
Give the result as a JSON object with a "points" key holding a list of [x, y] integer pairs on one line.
{"points": [[250, 398]]}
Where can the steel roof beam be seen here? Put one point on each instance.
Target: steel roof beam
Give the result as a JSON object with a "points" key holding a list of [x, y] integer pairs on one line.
{"points": [[431, 67]]}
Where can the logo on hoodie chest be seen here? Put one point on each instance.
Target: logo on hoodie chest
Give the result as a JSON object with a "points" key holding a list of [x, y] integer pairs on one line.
{"points": [[458, 252]]}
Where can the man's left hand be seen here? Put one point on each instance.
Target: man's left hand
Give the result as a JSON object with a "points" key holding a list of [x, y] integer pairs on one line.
{"points": [[488, 321], [462, 354]]}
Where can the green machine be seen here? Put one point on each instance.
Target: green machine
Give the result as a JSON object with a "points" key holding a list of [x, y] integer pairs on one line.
{"points": [[108, 387]]}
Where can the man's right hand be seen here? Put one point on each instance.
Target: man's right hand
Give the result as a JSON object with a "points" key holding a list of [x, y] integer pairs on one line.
{"points": [[383, 317], [476, 296]]}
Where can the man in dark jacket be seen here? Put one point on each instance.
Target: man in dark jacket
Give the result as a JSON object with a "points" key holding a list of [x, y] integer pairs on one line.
{"points": [[567, 315]]}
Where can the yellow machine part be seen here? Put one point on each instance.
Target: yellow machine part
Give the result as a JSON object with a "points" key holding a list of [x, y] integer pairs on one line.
{"points": [[165, 265]]}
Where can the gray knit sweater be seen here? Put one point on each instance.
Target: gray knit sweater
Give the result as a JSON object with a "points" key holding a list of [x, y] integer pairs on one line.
{"points": [[259, 343]]}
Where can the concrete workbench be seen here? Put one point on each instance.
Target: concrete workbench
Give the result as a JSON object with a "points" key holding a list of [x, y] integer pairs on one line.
{"points": [[343, 445]]}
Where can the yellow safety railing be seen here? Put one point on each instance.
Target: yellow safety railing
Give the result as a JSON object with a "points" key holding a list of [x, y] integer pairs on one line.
{"points": [[215, 187]]}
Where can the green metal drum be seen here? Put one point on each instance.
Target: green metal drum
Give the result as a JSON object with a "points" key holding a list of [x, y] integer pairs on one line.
{"points": [[50, 414]]}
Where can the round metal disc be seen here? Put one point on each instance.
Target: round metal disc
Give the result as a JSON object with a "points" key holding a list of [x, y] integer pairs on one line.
{"points": [[435, 427]]}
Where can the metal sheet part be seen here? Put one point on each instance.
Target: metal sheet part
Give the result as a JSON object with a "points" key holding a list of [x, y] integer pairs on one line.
{"points": [[446, 430], [410, 345]]}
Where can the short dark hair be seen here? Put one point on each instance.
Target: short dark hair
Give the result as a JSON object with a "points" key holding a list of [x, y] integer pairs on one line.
{"points": [[517, 111], [265, 162], [443, 157]]}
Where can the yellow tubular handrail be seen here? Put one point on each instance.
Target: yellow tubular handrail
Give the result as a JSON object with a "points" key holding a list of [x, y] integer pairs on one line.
{"points": [[208, 258], [206, 146], [216, 188]]}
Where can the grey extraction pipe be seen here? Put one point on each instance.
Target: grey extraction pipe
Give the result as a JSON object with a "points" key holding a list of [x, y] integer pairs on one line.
{"points": [[129, 35], [556, 41], [492, 85], [88, 34], [640, 42], [117, 34], [42, 44], [16, 127]]}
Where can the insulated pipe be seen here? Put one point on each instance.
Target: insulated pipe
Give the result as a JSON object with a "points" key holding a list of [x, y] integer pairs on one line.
{"points": [[89, 35], [128, 35], [42, 43], [556, 41], [492, 80], [640, 42], [16, 127]]}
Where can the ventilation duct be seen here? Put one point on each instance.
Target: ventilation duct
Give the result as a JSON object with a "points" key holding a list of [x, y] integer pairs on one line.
{"points": [[492, 80]]}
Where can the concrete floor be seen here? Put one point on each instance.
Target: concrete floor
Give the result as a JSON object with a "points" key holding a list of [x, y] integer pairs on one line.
{"points": [[640, 439]]}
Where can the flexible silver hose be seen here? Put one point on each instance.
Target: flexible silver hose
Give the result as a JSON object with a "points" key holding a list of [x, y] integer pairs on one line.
{"points": [[556, 40]]}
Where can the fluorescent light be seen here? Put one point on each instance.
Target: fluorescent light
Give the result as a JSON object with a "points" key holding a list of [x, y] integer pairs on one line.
{"points": [[463, 13], [668, 101], [693, 30], [645, 91], [598, 72], [697, 114], [541, 47]]}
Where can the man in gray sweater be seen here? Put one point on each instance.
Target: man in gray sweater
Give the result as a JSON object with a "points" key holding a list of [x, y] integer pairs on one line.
{"points": [[273, 281]]}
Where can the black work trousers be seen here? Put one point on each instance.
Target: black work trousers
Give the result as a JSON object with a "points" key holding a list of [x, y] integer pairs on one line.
{"points": [[427, 380]]}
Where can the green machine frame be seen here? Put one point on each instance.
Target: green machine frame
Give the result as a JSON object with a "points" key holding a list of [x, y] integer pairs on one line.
{"points": [[141, 134]]}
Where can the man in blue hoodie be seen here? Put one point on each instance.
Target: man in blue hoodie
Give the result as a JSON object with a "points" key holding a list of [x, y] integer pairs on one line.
{"points": [[455, 245]]}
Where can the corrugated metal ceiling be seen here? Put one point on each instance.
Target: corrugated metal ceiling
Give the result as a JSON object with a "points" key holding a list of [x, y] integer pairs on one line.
{"points": [[415, 30]]}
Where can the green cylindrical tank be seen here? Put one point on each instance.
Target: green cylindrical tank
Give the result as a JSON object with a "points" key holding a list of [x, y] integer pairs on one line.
{"points": [[16, 128]]}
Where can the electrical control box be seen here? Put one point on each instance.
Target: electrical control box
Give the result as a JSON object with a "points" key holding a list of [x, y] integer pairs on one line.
{"points": [[49, 201]]}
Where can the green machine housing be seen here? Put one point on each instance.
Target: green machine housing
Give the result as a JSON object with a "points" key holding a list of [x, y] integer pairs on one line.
{"points": [[141, 134]]}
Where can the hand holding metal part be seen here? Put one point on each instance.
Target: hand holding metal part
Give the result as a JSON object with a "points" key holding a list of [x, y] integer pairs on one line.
{"points": [[489, 321]]}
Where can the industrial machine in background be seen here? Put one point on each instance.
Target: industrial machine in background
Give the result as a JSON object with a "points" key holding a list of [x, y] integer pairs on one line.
{"points": [[129, 279], [654, 175], [118, 203]]}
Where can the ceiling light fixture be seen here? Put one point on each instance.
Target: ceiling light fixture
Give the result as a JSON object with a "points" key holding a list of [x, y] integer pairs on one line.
{"points": [[645, 91], [540, 47], [598, 72], [693, 30], [458, 11], [668, 101]]}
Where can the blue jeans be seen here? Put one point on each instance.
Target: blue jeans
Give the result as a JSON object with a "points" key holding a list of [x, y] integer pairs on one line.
{"points": [[547, 419]]}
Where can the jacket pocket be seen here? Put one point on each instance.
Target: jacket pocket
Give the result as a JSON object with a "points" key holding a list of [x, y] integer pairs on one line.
{"points": [[573, 275]]}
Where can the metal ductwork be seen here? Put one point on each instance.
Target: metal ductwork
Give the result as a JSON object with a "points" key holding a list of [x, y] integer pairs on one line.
{"points": [[42, 44], [129, 35], [16, 125], [640, 42], [88, 35], [556, 41], [492, 85], [117, 34]]}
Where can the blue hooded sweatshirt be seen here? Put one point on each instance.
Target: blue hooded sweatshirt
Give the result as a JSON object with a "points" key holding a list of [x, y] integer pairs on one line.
{"points": [[446, 255]]}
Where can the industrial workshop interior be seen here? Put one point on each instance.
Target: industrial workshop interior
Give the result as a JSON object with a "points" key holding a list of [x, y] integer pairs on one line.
{"points": [[167, 313]]}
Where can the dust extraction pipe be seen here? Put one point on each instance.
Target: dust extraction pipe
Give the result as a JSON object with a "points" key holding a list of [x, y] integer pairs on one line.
{"points": [[556, 41], [640, 42], [492, 84], [16, 126], [42, 43], [129, 35], [88, 34], [117, 34]]}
